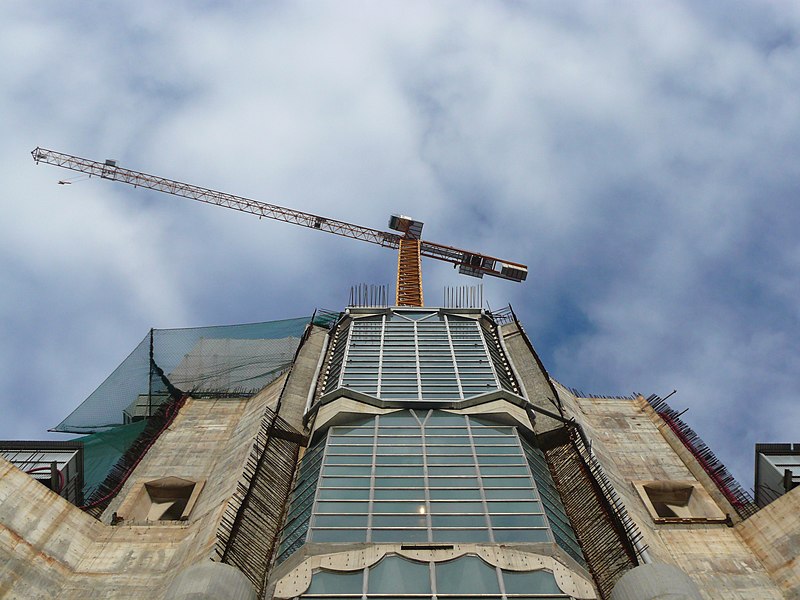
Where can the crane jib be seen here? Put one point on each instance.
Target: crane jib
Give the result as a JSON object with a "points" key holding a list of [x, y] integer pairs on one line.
{"points": [[469, 263]]}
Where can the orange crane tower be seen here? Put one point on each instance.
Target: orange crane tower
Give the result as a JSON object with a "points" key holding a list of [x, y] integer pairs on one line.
{"points": [[411, 248]]}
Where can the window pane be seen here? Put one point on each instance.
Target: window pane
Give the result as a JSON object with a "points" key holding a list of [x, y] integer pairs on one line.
{"points": [[326, 582], [340, 521], [398, 521], [395, 440], [350, 449], [521, 535], [466, 575], [450, 460], [395, 575], [399, 482], [533, 582], [456, 439], [335, 494], [445, 430], [413, 450], [346, 470], [458, 521], [350, 440], [392, 459], [341, 507], [448, 450], [507, 482], [510, 494], [461, 535], [361, 459], [399, 535], [399, 507], [393, 471], [505, 470], [457, 482], [514, 507], [338, 535], [493, 449], [456, 507], [400, 494], [355, 482], [443, 494], [518, 521], [483, 459], [433, 471]]}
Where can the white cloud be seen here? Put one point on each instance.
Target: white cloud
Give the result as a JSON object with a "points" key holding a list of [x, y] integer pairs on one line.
{"points": [[639, 158]]}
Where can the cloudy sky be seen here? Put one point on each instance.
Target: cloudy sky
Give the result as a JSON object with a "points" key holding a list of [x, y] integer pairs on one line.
{"points": [[643, 158]]}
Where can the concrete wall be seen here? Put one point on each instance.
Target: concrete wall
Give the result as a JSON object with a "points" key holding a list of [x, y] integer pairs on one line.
{"points": [[49, 548], [629, 442], [774, 535]]}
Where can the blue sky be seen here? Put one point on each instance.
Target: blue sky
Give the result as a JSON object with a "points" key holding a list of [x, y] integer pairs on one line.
{"points": [[641, 158]]}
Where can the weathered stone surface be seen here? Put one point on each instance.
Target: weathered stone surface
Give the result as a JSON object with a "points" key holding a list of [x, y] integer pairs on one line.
{"points": [[49, 548], [629, 443], [656, 582], [773, 533]]}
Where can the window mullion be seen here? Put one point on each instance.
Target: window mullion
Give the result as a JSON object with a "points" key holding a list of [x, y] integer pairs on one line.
{"points": [[488, 356], [480, 480], [323, 461], [416, 359], [453, 355], [346, 353], [371, 501], [380, 357]]}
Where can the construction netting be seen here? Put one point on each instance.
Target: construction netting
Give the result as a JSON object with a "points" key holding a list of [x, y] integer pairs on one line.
{"points": [[228, 360], [101, 451]]}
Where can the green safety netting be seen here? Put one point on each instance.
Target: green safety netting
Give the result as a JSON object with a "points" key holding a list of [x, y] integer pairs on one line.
{"points": [[228, 360], [101, 451]]}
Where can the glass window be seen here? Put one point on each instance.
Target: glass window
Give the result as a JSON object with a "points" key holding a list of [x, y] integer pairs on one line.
{"points": [[434, 496], [396, 575], [340, 521], [467, 575], [455, 482], [510, 494], [464, 494], [401, 494], [446, 353], [456, 507], [514, 507], [395, 471], [337, 494], [518, 521], [466, 459], [361, 459], [346, 470], [338, 535], [352, 482], [399, 535], [521, 535], [401, 459], [460, 535], [326, 582], [399, 482], [458, 521], [399, 521], [530, 582], [341, 507], [399, 507]]}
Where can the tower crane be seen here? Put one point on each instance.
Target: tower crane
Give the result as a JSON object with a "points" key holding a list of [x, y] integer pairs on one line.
{"points": [[411, 247]]}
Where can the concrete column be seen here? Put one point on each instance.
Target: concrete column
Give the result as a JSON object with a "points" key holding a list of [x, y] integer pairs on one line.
{"points": [[656, 581], [211, 580]]}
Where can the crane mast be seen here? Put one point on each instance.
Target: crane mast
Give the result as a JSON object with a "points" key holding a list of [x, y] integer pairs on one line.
{"points": [[409, 245]]}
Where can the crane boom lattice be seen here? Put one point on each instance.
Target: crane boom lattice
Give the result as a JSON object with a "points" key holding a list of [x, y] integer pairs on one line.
{"points": [[409, 280]]}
